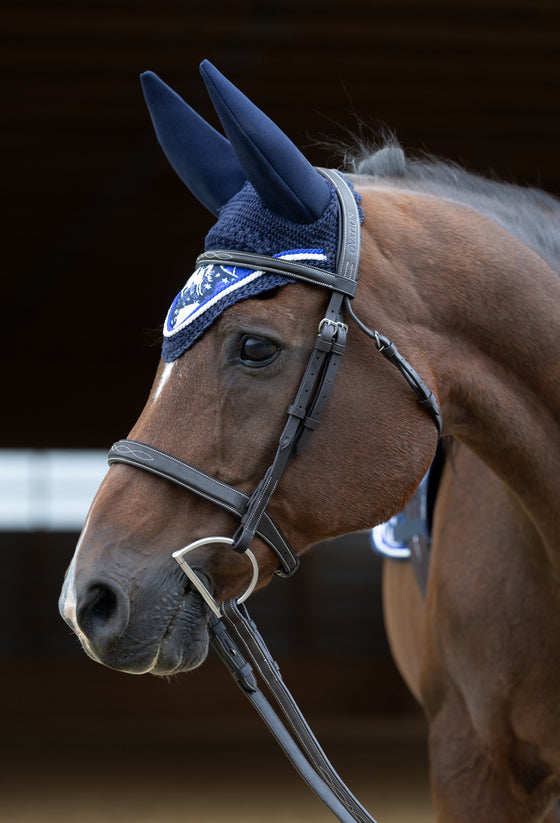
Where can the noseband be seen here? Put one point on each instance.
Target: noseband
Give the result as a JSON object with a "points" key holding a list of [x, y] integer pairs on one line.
{"points": [[234, 635]]}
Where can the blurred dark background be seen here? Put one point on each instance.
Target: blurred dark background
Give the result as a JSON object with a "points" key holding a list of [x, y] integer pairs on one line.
{"points": [[99, 235]]}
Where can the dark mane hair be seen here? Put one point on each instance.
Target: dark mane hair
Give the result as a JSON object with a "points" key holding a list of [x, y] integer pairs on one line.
{"points": [[530, 214]]}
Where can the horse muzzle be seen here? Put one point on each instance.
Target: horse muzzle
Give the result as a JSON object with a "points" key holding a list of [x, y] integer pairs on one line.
{"points": [[159, 632]]}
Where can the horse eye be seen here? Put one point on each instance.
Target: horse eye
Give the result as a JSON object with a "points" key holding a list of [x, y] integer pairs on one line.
{"points": [[257, 350]]}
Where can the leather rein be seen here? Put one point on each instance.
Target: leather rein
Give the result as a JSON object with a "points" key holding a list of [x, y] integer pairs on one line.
{"points": [[234, 636]]}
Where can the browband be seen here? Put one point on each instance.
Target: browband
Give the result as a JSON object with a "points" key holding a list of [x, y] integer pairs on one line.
{"points": [[279, 265]]}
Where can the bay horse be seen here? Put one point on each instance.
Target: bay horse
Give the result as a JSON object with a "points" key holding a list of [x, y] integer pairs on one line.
{"points": [[462, 273]]}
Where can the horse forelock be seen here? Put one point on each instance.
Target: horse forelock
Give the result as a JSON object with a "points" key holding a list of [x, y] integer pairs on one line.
{"points": [[530, 214]]}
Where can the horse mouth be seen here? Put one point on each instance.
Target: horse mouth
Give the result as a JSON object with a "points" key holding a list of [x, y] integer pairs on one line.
{"points": [[184, 644]]}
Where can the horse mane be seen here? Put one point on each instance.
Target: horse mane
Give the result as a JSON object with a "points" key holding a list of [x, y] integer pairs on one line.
{"points": [[530, 214]]}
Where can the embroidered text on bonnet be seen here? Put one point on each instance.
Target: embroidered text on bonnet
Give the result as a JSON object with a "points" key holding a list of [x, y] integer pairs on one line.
{"points": [[245, 224]]}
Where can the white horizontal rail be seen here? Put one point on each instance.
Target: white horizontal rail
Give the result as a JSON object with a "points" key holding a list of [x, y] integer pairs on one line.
{"points": [[48, 490]]}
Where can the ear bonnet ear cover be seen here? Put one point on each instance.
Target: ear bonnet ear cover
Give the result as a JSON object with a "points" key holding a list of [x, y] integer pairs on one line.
{"points": [[200, 156], [286, 181]]}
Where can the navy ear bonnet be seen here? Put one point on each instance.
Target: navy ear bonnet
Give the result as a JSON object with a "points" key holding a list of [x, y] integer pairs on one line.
{"points": [[272, 212]]}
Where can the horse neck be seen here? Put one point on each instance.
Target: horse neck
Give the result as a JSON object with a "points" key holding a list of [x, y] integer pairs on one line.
{"points": [[481, 310]]}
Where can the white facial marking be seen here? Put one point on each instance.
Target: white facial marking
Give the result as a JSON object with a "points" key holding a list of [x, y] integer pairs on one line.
{"points": [[165, 375], [67, 603]]}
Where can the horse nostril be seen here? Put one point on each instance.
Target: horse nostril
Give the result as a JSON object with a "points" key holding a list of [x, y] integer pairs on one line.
{"points": [[103, 603], [102, 612]]}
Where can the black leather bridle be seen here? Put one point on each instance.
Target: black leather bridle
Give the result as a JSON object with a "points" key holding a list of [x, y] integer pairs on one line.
{"points": [[234, 635]]}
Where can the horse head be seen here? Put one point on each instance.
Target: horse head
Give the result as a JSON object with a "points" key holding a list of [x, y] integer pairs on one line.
{"points": [[236, 345]]}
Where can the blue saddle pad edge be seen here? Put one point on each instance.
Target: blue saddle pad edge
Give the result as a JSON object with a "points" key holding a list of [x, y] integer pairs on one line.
{"points": [[390, 539]]}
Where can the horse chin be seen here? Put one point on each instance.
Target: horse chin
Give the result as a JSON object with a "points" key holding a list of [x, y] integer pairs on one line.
{"points": [[184, 645]]}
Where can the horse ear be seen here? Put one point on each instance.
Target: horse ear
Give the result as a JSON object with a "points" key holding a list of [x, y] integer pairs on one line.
{"points": [[285, 181], [201, 156]]}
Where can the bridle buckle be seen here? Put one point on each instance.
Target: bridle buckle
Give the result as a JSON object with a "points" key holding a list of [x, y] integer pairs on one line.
{"points": [[338, 325]]}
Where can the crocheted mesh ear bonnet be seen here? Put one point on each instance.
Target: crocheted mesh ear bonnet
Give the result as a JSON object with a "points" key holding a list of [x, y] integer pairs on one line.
{"points": [[245, 224], [268, 198]]}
